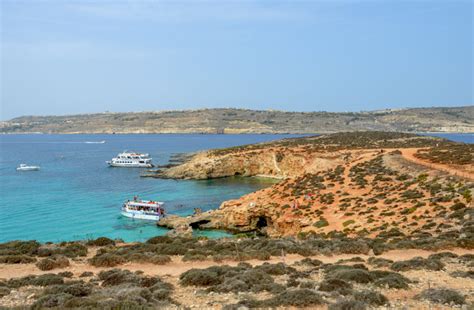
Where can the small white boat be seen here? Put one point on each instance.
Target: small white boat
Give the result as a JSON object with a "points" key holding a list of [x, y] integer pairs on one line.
{"points": [[95, 142], [143, 209], [131, 160], [25, 167]]}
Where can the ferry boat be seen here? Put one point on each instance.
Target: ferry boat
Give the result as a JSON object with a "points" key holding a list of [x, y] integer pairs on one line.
{"points": [[143, 209], [25, 167], [131, 160]]}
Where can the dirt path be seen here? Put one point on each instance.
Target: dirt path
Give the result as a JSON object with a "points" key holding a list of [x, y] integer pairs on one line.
{"points": [[409, 154], [177, 266]]}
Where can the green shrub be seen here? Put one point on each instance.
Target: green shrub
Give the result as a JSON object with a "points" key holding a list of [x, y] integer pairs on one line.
{"points": [[115, 277], [321, 223], [417, 263], [160, 259], [46, 279], [106, 260], [371, 297], [379, 262], [4, 291], [295, 298], [396, 281], [335, 285], [101, 241], [199, 277], [19, 247], [348, 304], [74, 249], [86, 274], [355, 275], [52, 263], [462, 274], [442, 296], [16, 259]]}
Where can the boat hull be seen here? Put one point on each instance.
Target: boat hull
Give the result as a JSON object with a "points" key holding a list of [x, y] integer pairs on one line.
{"points": [[111, 164], [28, 169], [141, 215]]}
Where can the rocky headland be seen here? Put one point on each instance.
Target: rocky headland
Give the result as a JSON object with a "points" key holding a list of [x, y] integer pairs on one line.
{"points": [[364, 183]]}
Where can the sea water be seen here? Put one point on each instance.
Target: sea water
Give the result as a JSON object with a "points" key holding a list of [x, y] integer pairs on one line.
{"points": [[76, 195]]}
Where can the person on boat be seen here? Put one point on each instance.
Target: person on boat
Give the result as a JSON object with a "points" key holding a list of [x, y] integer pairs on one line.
{"points": [[135, 198]]}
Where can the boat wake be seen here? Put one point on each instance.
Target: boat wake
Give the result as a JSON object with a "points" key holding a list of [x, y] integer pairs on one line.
{"points": [[95, 142]]}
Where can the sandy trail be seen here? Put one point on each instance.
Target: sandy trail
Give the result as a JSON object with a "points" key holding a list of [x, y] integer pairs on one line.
{"points": [[409, 154], [177, 266]]}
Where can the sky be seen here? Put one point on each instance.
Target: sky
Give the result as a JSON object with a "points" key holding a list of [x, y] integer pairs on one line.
{"points": [[67, 57]]}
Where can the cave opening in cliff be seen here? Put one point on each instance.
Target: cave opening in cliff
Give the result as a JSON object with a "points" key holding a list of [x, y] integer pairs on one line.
{"points": [[261, 222], [197, 224]]}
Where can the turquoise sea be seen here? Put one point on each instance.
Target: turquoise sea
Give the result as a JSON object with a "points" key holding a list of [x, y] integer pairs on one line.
{"points": [[76, 196]]}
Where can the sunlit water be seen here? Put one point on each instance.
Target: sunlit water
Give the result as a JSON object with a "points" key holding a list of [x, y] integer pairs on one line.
{"points": [[76, 196]]}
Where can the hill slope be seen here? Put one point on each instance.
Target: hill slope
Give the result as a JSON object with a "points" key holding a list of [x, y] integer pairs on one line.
{"points": [[459, 119]]}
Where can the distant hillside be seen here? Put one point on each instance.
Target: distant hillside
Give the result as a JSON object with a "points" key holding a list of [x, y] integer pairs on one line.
{"points": [[458, 119]]}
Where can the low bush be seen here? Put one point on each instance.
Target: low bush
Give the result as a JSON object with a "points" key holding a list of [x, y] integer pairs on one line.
{"points": [[294, 298], [115, 277], [4, 291], [106, 260], [74, 249], [78, 289], [442, 255], [276, 269], [372, 298], [66, 274], [101, 241], [395, 281], [86, 274], [348, 304], [52, 263], [19, 248], [417, 263], [354, 275], [309, 262], [379, 262], [442, 296], [199, 277], [335, 285], [17, 259], [462, 274], [160, 259]]}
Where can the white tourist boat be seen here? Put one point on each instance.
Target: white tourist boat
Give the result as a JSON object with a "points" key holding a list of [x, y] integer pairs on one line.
{"points": [[25, 167], [143, 209], [131, 160]]}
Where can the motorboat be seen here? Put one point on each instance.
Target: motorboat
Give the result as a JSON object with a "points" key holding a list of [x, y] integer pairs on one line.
{"points": [[143, 209], [25, 167], [131, 160]]}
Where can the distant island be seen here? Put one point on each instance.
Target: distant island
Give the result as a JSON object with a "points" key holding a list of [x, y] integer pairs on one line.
{"points": [[240, 121]]}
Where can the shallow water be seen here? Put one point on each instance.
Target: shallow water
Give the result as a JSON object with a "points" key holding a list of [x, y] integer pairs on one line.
{"points": [[76, 196]]}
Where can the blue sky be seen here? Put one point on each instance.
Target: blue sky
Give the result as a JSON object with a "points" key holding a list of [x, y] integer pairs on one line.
{"points": [[64, 57]]}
